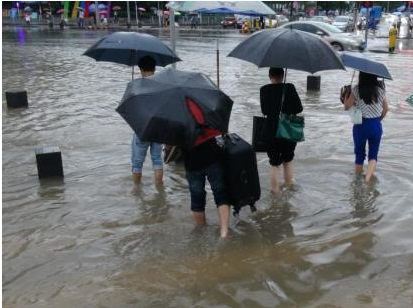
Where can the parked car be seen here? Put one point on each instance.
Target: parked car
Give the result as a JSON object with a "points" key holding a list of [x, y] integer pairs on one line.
{"points": [[321, 19], [337, 38], [344, 23], [230, 22]]}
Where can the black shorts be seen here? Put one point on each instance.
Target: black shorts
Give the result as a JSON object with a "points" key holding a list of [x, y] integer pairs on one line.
{"points": [[281, 151]]}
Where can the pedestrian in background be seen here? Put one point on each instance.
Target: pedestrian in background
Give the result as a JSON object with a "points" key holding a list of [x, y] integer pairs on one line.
{"points": [[369, 95], [81, 19]]}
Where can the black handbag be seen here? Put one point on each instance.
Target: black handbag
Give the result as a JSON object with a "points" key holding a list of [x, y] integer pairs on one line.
{"points": [[259, 125]]}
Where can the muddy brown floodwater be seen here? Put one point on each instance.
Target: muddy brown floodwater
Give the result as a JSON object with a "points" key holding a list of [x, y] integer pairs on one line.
{"points": [[95, 240]]}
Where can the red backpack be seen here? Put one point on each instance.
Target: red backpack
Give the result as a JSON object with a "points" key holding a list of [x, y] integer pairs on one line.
{"points": [[206, 133]]}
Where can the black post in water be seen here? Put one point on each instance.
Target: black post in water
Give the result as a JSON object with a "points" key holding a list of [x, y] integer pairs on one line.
{"points": [[17, 99], [49, 162], [313, 83]]}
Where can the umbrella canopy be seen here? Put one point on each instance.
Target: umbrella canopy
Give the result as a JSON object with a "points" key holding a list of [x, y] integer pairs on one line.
{"points": [[364, 64], [27, 9], [234, 6], [102, 12], [141, 9], [129, 47], [288, 48], [156, 107], [61, 11], [116, 8]]}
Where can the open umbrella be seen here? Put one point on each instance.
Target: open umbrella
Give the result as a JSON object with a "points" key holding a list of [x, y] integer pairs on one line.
{"points": [[129, 47], [28, 9], [61, 11], [141, 9], [364, 64], [288, 48], [103, 12], [116, 8], [156, 107]]}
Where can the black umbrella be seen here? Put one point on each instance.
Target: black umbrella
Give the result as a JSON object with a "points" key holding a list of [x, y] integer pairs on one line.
{"points": [[288, 48], [156, 107], [129, 47], [366, 65]]}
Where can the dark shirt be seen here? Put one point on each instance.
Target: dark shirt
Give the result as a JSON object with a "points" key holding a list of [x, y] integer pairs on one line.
{"points": [[270, 100], [202, 156]]}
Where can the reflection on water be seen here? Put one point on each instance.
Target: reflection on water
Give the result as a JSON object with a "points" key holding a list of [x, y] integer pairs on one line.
{"points": [[95, 239]]}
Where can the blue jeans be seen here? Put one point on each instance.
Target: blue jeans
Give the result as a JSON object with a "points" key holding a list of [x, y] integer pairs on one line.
{"points": [[369, 131], [138, 151], [196, 181]]}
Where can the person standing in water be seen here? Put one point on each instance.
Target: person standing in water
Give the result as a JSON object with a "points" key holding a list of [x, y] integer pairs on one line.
{"points": [[279, 151], [140, 148], [369, 95]]}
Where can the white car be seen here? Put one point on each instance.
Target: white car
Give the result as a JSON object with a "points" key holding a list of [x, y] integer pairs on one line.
{"points": [[344, 23], [337, 38], [321, 19]]}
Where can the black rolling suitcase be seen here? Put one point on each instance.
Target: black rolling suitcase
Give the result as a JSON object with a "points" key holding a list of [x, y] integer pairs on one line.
{"points": [[241, 172]]}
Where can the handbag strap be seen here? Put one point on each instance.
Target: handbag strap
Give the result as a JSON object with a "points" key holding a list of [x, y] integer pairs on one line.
{"points": [[283, 94]]}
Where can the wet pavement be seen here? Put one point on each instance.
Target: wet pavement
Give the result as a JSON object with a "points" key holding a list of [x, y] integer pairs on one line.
{"points": [[96, 240]]}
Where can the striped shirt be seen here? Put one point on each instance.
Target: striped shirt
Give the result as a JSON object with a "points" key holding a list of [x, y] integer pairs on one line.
{"points": [[372, 110]]}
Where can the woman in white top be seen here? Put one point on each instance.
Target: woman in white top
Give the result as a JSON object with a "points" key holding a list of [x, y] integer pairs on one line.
{"points": [[370, 97]]}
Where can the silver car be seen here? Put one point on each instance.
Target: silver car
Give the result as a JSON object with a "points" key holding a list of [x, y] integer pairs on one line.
{"points": [[321, 19], [344, 23], [337, 38]]}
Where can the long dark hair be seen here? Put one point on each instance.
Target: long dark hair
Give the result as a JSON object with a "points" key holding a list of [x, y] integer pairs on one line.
{"points": [[369, 87]]}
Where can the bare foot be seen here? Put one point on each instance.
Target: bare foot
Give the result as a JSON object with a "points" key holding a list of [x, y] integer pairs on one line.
{"points": [[275, 191], [137, 178], [224, 232]]}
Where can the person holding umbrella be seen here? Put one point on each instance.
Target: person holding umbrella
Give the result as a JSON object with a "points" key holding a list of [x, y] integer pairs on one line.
{"points": [[139, 148], [369, 95], [279, 151], [288, 49], [202, 162]]}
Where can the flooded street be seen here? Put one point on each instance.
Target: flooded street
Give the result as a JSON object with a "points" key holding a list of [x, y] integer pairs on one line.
{"points": [[96, 240]]}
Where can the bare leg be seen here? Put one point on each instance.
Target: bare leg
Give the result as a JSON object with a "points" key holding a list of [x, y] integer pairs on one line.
{"points": [[371, 167], [199, 218], [137, 177], [288, 173], [274, 180], [358, 169], [224, 212], [158, 176]]}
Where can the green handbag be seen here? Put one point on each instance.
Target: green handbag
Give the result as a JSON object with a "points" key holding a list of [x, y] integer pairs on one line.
{"points": [[291, 127]]}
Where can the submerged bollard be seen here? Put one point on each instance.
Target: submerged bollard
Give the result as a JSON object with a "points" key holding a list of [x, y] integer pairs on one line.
{"points": [[313, 83], [17, 99], [49, 162]]}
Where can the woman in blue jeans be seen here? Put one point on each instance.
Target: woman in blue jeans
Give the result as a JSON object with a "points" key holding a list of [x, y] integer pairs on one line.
{"points": [[369, 95]]}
